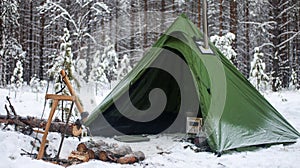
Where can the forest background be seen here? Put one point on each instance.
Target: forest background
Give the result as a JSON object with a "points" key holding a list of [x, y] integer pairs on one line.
{"points": [[104, 39]]}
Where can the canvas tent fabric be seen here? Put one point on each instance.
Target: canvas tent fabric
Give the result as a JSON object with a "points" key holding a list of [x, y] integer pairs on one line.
{"points": [[235, 114]]}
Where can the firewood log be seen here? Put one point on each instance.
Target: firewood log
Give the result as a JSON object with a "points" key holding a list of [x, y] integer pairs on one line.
{"points": [[82, 156], [82, 147], [111, 157], [99, 143], [139, 155], [91, 154], [121, 151], [127, 159], [106, 156], [34, 122], [102, 155], [110, 152]]}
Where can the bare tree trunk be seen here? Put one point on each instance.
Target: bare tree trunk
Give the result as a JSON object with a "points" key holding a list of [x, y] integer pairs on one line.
{"points": [[132, 28], [199, 14], [146, 22], [247, 38], [233, 21], [88, 50], [284, 55], [162, 22], [2, 31], [233, 25], [221, 18], [297, 41], [41, 54], [116, 25], [275, 41], [30, 39], [173, 8]]}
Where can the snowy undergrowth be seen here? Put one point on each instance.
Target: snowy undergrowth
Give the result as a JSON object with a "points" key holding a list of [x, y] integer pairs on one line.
{"points": [[286, 102]]}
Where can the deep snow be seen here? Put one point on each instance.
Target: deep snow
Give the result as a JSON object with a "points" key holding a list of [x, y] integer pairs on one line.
{"points": [[11, 143]]}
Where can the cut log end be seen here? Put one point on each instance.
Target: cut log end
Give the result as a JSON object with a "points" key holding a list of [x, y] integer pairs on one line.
{"points": [[91, 154], [81, 156], [127, 159], [82, 147], [139, 155], [103, 156], [75, 131]]}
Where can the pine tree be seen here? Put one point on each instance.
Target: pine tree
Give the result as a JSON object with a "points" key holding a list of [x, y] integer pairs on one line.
{"points": [[98, 74], [64, 61], [34, 83], [17, 78], [37, 85], [35, 27], [110, 61], [10, 48], [223, 43], [81, 69], [294, 83], [257, 72], [125, 67]]}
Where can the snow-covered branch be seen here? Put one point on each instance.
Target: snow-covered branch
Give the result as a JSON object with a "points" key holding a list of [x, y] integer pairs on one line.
{"points": [[289, 39]]}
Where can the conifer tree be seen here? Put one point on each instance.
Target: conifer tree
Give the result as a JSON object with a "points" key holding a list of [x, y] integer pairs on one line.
{"points": [[110, 61], [294, 83], [64, 61], [257, 72], [17, 78], [223, 43], [125, 67]]}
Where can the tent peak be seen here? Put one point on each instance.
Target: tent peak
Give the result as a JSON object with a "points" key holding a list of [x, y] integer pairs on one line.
{"points": [[184, 16]]}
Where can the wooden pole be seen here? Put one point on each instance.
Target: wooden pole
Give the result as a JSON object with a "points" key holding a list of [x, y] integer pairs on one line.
{"points": [[69, 86], [55, 99], [44, 139], [60, 97]]}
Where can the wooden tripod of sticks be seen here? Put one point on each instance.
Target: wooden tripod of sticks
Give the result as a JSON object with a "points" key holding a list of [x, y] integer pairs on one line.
{"points": [[56, 99]]}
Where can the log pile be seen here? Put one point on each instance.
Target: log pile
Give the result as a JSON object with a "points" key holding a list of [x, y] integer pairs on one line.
{"points": [[105, 152]]}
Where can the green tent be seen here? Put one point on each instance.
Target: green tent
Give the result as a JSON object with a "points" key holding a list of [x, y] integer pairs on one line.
{"points": [[180, 77]]}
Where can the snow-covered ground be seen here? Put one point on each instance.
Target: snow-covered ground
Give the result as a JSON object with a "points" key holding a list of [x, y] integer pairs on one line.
{"points": [[27, 103]]}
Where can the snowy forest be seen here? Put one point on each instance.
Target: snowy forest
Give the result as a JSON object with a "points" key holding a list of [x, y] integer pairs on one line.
{"points": [[101, 40]]}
